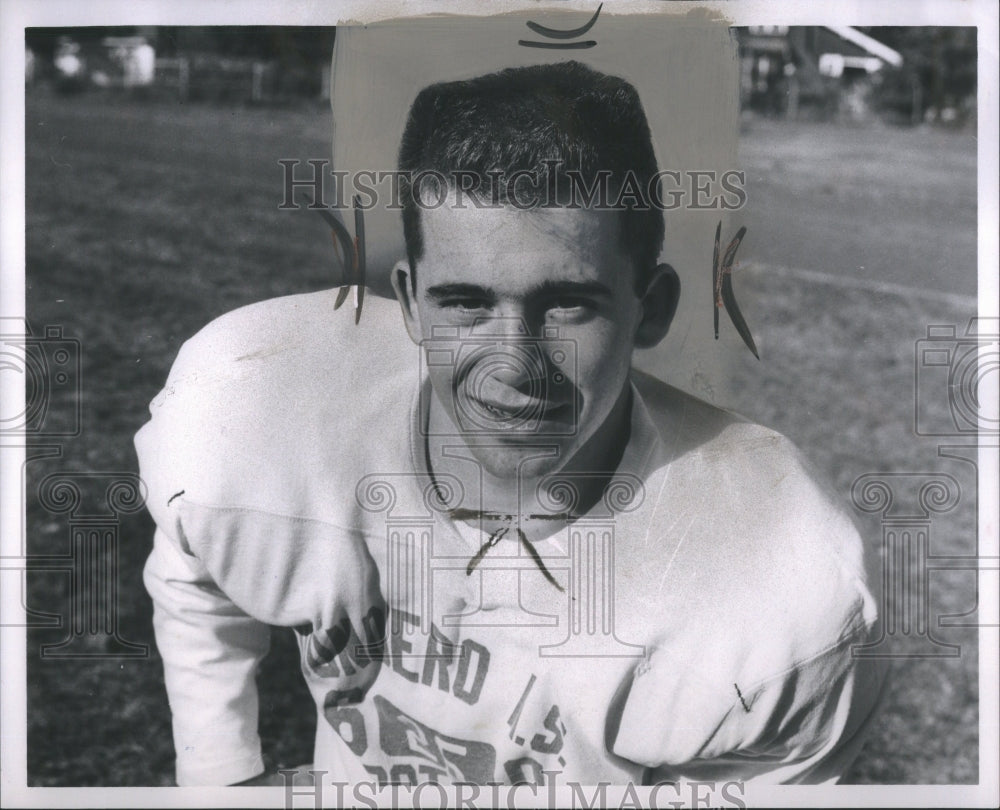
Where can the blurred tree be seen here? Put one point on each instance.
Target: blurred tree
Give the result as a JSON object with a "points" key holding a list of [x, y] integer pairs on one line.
{"points": [[296, 57], [301, 45], [292, 45], [938, 74]]}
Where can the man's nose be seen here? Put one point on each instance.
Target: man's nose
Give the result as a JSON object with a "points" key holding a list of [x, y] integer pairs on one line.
{"points": [[510, 326], [510, 360], [513, 366]]}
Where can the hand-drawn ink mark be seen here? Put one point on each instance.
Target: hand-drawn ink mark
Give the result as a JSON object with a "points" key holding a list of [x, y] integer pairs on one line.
{"points": [[175, 495], [491, 541], [565, 46], [515, 715], [538, 560], [555, 33], [497, 536], [344, 246], [739, 694], [722, 288], [359, 255]]}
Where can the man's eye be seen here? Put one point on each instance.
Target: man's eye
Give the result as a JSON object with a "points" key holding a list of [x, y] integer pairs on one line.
{"points": [[468, 304], [569, 305]]}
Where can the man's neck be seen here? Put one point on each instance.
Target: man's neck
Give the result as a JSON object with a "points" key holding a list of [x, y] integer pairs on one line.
{"points": [[515, 499]]}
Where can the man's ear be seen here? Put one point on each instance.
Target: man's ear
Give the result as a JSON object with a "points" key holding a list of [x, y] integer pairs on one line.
{"points": [[659, 303], [401, 285]]}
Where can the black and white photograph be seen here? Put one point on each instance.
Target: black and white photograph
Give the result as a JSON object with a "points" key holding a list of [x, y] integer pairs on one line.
{"points": [[517, 404]]}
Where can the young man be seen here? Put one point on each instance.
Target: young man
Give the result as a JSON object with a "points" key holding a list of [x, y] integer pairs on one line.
{"points": [[508, 557]]}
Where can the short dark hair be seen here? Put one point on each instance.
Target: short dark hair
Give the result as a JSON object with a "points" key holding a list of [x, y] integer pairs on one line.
{"points": [[519, 119]]}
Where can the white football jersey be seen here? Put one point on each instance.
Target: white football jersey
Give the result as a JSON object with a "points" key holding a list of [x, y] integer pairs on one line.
{"points": [[697, 622]]}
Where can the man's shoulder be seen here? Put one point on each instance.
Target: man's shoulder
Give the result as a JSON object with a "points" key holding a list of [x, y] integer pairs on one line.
{"points": [[688, 428], [752, 558], [280, 388], [286, 349], [291, 332]]}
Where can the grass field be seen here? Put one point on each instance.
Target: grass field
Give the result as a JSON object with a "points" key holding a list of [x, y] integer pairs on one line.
{"points": [[144, 222]]}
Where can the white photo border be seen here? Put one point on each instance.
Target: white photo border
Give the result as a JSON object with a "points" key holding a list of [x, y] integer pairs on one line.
{"points": [[16, 15]]}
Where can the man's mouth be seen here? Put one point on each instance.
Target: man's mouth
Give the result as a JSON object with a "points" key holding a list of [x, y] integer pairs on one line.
{"points": [[522, 410], [499, 411]]}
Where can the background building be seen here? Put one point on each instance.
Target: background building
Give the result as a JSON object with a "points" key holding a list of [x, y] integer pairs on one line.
{"points": [[901, 75]]}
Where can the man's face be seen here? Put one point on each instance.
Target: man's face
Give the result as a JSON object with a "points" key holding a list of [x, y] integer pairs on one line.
{"points": [[537, 313]]}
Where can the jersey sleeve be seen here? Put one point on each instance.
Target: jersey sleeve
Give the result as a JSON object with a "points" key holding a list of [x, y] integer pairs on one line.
{"points": [[210, 647], [802, 726], [210, 650], [237, 549]]}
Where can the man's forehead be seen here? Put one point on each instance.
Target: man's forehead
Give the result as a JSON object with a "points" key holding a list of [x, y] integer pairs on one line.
{"points": [[580, 238]]}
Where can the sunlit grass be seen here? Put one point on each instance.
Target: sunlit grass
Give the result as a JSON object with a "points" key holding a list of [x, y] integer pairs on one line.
{"points": [[144, 222]]}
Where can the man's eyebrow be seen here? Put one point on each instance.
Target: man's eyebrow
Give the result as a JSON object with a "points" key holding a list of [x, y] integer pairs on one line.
{"points": [[439, 292], [547, 289], [581, 288]]}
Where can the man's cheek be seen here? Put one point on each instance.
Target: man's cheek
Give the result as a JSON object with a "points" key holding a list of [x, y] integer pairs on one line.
{"points": [[600, 366], [442, 381]]}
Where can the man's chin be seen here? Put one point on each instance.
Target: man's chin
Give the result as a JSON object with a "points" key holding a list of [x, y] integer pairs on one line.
{"points": [[525, 457]]}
